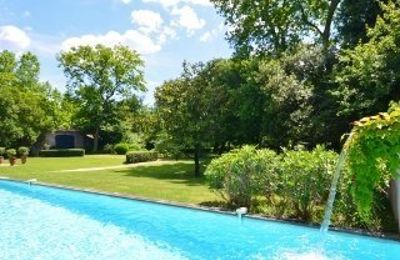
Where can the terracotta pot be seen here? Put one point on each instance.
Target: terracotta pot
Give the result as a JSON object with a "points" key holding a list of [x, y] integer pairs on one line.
{"points": [[12, 160], [1, 159], [23, 159]]}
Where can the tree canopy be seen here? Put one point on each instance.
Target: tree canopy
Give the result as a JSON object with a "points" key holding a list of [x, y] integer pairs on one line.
{"points": [[98, 78], [28, 107]]}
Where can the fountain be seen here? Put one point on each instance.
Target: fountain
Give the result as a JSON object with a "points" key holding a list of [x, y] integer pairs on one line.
{"points": [[240, 212], [30, 181], [332, 191]]}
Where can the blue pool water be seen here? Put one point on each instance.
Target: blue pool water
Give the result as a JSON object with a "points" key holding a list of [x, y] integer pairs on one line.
{"points": [[38, 222]]}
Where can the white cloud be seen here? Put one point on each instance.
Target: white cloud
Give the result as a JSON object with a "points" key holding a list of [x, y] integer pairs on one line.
{"points": [[126, 1], [174, 3], [132, 38], [206, 37], [199, 2], [12, 37], [148, 21], [187, 18], [209, 35]]}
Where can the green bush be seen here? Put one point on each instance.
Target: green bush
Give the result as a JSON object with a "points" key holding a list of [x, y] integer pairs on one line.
{"points": [[2, 151], [23, 151], [239, 175], [121, 148], [305, 178], [294, 183], [141, 156], [11, 153], [62, 153]]}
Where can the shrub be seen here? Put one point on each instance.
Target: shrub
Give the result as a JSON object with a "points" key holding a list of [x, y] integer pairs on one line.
{"points": [[2, 151], [62, 153], [305, 178], [11, 153], [238, 175], [109, 148], [23, 151], [121, 148], [141, 156]]}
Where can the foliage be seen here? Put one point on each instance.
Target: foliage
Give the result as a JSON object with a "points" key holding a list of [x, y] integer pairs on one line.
{"points": [[373, 155], [305, 178], [23, 151], [28, 107], [184, 108], [121, 148], [108, 148], [11, 153], [76, 152], [295, 182], [352, 20], [97, 78], [236, 175], [276, 26], [141, 156], [2, 151], [368, 75], [167, 147]]}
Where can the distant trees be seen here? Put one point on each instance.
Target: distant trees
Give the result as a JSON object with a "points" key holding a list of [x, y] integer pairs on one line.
{"points": [[100, 80], [28, 107]]}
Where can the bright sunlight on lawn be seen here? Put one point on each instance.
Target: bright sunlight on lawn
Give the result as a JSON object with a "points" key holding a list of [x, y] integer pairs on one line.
{"points": [[167, 180]]}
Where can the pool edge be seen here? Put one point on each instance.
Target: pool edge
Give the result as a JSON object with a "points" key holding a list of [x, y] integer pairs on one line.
{"points": [[216, 210]]}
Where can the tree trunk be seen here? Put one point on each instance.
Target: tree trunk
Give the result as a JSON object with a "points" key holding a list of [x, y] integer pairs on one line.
{"points": [[197, 172], [326, 34], [96, 140]]}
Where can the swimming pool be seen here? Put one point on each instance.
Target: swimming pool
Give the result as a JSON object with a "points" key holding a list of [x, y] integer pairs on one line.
{"points": [[38, 222]]}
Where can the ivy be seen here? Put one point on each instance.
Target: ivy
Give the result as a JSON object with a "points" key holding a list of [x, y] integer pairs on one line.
{"points": [[373, 156]]}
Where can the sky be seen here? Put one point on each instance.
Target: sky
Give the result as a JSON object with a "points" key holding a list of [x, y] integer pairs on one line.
{"points": [[164, 32]]}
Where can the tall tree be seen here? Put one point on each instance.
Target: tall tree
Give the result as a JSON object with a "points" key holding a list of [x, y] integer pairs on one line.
{"points": [[184, 108], [28, 107], [368, 76], [274, 26], [97, 78], [354, 18]]}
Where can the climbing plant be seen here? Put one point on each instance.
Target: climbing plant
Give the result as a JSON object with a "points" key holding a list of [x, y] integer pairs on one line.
{"points": [[373, 151]]}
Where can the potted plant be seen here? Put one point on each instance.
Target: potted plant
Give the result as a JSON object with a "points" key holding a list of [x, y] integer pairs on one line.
{"points": [[2, 153], [23, 153], [12, 156]]}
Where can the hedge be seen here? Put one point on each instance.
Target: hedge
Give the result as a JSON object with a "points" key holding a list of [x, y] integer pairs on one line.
{"points": [[141, 156], [62, 153]]}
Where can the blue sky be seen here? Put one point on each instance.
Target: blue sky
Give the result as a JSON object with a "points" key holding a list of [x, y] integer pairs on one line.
{"points": [[165, 32]]}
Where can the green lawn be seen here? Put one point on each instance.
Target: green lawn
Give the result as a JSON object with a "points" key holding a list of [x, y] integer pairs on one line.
{"points": [[172, 181]]}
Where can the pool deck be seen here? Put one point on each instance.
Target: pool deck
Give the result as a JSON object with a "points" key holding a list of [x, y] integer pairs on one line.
{"points": [[218, 210]]}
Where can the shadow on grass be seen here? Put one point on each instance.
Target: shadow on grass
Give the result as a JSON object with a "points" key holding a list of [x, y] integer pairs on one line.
{"points": [[180, 173]]}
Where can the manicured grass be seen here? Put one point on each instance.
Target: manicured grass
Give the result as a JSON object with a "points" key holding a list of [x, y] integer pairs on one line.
{"points": [[174, 182]]}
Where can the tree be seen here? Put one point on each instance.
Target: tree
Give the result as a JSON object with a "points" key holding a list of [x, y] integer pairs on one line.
{"points": [[28, 107], [354, 18], [368, 76], [276, 26], [184, 108], [97, 78]]}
